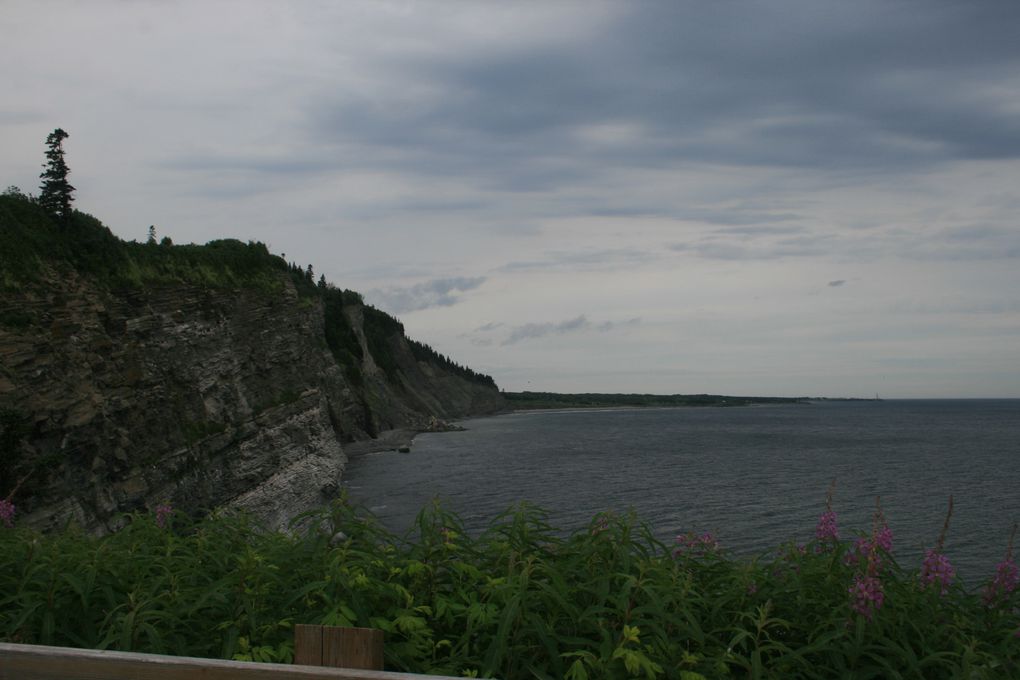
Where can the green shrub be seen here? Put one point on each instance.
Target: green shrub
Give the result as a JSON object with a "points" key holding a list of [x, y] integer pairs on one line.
{"points": [[521, 600], [30, 241]]}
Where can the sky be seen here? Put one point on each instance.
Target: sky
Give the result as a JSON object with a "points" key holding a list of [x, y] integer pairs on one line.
{"points": [[783, 198]]}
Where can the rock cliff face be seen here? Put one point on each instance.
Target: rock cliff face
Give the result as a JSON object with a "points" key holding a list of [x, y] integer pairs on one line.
{"points": [[201, 397], [417, 393]]}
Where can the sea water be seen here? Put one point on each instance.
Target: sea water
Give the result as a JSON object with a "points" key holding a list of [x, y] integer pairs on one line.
{"points": [[755, 476]]}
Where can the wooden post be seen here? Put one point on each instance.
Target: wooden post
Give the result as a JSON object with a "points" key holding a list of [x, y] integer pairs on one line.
{"points": [[307, 645], [338, 647]]}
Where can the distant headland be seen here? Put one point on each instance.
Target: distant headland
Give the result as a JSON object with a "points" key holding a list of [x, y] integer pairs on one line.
{"points": [[522, 401]]}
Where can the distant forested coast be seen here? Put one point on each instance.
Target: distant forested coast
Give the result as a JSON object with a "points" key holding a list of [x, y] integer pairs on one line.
{"points": [[544, 400]]}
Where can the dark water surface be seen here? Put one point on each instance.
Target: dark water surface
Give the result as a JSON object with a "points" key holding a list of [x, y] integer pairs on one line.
{"points": [[756, 476]]}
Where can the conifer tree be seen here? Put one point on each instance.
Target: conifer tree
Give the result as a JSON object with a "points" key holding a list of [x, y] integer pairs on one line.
{"points": [[55, 191]]}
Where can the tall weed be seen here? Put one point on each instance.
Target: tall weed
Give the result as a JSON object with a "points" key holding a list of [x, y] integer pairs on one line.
{"points": [[521, 600]]}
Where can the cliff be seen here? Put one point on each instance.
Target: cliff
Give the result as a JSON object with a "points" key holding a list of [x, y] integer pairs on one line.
{"points": [[200, 376]]}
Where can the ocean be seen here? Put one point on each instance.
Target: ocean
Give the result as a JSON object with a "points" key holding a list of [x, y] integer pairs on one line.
{"points": [[755, 476]]}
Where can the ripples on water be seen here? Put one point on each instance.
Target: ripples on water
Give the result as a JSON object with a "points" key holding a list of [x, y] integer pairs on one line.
{"points": [[756, 476]]}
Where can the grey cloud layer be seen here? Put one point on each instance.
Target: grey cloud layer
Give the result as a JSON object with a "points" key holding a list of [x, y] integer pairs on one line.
{"points": [[798, 84], [447, 158], [967, 243], [532, 331], [434, 293], [582, 259]]}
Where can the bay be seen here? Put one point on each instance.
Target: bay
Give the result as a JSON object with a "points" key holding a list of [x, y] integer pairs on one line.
{"points": [[755, 476]]}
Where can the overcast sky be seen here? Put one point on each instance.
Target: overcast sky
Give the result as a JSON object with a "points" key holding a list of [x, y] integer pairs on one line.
{"points": [[794, 197]]}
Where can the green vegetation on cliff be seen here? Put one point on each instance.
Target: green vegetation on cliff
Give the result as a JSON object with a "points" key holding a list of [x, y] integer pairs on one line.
{"points": [[423, 352], [31, 241]]}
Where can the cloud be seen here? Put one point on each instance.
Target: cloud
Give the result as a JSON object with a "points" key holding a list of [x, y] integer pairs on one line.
{"points": [[606, 326], [722, 248], [924, 243], [20, 117], [650, 158], [532, 331], [868, 87], [434, 293], [582, 260]]}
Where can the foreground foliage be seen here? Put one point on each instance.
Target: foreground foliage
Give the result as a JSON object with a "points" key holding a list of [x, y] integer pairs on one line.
{"points": [[519, 601]]}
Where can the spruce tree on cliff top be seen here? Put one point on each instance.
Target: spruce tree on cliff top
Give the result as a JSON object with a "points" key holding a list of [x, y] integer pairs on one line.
{"points": [[55, 191]]}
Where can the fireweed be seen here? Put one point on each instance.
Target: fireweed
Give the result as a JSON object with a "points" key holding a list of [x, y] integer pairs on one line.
{"points": [[867, 594], [827, 532], [163, 514], [7, 512], [521, 599], [1006, 577], [936, 569], [871, 547], [695, 545], [827, 529]]}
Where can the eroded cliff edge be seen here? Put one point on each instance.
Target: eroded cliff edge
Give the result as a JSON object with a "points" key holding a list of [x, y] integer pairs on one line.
{"points": [[119, 394]]}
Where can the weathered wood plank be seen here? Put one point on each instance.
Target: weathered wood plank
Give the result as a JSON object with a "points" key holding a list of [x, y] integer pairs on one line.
{"points": [[352, 647], [307, 644], [38, 662]]}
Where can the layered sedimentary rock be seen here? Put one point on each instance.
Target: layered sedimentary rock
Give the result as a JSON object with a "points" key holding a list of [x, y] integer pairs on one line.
{"points": [[192, 396]]}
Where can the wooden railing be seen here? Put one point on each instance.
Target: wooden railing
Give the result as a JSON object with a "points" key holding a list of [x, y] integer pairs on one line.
{"points": [[38, 662]]}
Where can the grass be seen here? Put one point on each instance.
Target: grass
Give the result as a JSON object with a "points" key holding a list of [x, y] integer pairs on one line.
{"points": [[521, 600]]}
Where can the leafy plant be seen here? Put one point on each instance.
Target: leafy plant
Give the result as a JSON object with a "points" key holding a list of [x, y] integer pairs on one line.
{"points": [[521, 600]]}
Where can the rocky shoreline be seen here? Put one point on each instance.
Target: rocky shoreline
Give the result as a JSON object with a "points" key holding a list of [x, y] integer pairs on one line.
{"points": [[399, 439], [388, 440]]}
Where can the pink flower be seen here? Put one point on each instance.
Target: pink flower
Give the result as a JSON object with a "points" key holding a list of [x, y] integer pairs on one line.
{"points": [[7, 512], [1005, 582], [866, 595], [937, 569], [163, 513], [884, 538], [694, 545], [827, 529], [862, 549], [867, 548]]}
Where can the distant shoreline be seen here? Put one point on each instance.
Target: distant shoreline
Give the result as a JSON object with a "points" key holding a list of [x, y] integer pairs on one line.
{"points": [[537, 402], [582, 409], [542, 401]]}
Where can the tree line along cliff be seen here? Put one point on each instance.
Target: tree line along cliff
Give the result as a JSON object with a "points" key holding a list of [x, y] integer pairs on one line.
{"points": [[136, 374]]}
